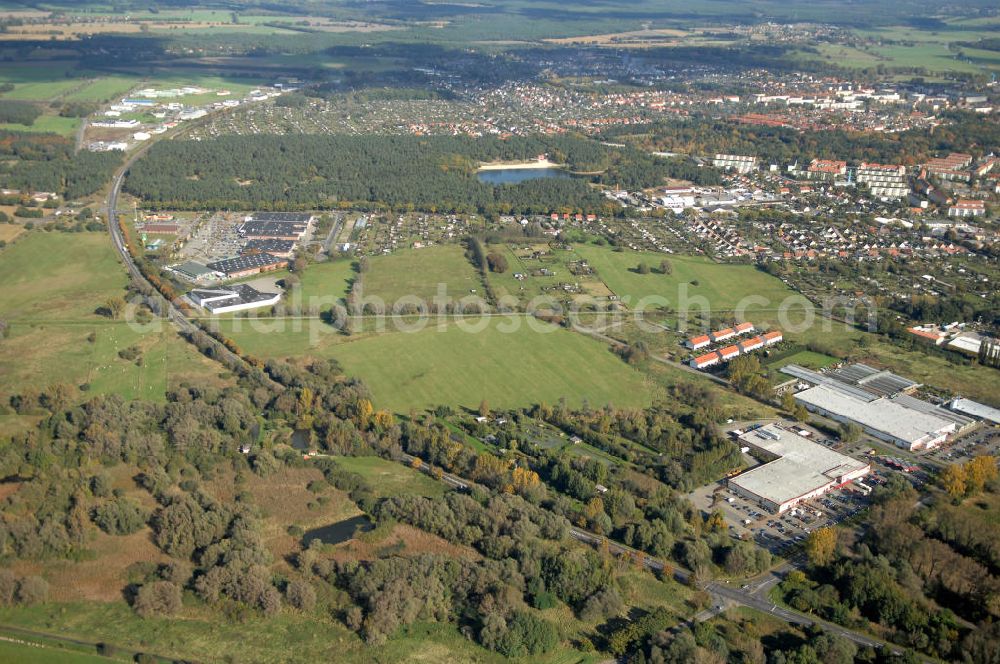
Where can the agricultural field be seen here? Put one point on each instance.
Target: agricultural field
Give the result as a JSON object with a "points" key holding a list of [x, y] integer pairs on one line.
{"points": [[418, 273], [723, 287], [508, 369], [56, 283]]}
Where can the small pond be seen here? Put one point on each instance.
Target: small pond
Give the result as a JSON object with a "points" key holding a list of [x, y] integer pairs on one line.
{"points": [[335, 533]]}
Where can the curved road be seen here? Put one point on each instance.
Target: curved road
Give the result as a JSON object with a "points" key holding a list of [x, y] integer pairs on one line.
{"points": [[173, 312], [754, 599]]}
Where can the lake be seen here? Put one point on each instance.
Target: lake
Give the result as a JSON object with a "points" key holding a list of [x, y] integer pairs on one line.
{"points": [[338, 532], [516, 175]]}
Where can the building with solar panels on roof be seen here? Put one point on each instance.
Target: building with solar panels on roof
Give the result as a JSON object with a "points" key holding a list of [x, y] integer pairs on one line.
{"points": [[879, 402], [276, 225], [245, 266]]}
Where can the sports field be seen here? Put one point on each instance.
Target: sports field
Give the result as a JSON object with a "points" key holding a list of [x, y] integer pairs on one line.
{"points": [[460, 368]]}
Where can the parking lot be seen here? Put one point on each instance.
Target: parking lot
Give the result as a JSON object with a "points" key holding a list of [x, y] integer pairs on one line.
{"points": [[984, 440], [780, 532]]}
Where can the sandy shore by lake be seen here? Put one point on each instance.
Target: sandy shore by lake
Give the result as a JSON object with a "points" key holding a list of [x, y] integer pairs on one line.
{"points": [[505, 165]]}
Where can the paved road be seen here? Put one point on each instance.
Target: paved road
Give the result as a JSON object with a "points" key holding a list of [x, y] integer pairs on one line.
{"points": [[172, 313], [755, 597]]}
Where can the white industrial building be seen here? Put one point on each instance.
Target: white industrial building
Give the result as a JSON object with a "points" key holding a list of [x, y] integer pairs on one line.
{"points": [[236, 298], [736, 162], [886, 418], [794, 469]]}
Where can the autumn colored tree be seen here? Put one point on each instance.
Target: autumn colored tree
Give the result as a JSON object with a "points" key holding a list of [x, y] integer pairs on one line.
{"points": [[384, 420], [365, 410], [820, 546], [979, 472], [953, 480], [716, 522], [114, 306]]}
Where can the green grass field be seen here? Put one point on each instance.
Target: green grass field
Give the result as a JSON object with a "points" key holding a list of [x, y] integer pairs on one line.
{"points": [[55, 283], [328, 281], [35, 654], [45, 124], [724, 287], [460, 368], [103, 89], [805, 358], [59, 276], [419, 273], [389, 478]]}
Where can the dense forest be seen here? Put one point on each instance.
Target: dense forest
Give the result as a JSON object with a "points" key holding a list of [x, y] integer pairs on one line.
{"points": [[46, 162], [437, 174], [925, 573]]}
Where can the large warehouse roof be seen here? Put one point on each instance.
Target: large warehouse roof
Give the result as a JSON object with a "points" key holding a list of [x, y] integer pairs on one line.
{"points": [[884, 415], [281, 217], [976, 409], [801, 468], [861, 377]]}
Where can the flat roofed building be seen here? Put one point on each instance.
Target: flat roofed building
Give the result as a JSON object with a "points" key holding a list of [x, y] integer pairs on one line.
{"points": [[280, 248], [237, 298], [884, 180], [242, 266], [881, 417], [736, 162], [195, 272], [795, 469], [281, 217], [273, 230], [975, 409]]}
